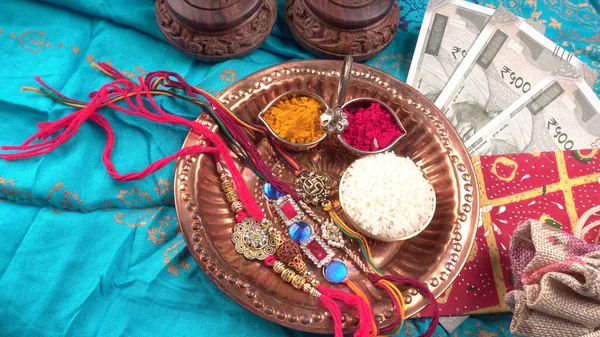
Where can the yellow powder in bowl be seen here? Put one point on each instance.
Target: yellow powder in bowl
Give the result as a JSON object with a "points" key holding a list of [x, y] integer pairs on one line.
{"points": [[296, 119]]}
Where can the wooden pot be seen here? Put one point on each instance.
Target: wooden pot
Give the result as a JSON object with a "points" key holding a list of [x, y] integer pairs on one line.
{"points": [[335, 28], [216, 30]]}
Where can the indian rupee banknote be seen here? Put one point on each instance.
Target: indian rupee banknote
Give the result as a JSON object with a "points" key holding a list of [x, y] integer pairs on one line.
{"points": [[505, 62], [561, 113], [449, 29]]}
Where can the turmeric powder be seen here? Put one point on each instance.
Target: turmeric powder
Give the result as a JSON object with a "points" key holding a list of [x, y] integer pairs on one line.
{"points": [[296, 119]]}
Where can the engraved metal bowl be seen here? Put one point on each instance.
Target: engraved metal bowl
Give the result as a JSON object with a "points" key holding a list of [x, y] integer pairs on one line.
{"points": [[367, 233], [283, 142], [358, 103], [435, 256]]}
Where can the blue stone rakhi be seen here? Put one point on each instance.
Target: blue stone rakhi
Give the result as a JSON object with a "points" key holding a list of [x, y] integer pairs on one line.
{"points": [[316, 248], [300, 231], [271, 192], [336, 271]]}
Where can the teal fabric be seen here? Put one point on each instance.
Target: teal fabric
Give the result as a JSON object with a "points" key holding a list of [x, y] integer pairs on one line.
{"points": [[84, 255]]}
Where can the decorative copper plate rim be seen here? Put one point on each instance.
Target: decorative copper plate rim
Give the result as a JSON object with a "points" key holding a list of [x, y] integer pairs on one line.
{"points": [[249, 297]]}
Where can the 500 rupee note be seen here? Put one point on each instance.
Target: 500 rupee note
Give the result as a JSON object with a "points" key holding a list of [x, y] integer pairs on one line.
{"points": [[560, 113], [505, 62], [449, 29]]}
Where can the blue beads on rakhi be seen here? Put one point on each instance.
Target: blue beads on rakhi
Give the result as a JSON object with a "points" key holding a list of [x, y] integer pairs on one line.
{"points": [[300, 231], [336, 271], [271, 192]]}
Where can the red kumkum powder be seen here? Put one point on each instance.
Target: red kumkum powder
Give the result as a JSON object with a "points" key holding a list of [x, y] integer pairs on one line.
{"points": [[370, 127]]}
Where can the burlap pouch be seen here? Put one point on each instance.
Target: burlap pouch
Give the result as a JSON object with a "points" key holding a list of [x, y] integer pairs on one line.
{"points": [[557, 281]]}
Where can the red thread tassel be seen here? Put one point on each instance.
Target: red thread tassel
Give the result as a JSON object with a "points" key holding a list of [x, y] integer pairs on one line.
{"points": [[364, 312], [423, 289], [368, 310], [66, 127], [335, 312]]}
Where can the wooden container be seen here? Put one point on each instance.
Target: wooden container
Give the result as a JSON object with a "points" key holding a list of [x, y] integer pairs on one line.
{"points": [[216, 30], [335, 28]]}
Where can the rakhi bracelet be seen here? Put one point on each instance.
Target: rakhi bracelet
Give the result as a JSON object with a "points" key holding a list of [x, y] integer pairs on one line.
{"points": [[330, 232], [233, 123], [316, 247], [335, 271], [255, 240], [304, 184], [259, 240]]}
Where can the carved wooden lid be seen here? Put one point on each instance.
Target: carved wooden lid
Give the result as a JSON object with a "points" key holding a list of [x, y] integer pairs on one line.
{"points": [[350, 14], [212, 14]]}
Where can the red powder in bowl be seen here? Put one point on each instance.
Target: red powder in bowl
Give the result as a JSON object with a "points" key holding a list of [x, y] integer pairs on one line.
{"points": [[371, 129]]}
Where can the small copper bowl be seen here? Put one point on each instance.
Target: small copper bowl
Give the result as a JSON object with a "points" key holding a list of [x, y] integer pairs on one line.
{"points": [[359, 227], [283, 142], [364, 102]]}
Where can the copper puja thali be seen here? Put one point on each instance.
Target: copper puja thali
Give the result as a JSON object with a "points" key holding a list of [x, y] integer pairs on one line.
{"points": [[435, 256]]}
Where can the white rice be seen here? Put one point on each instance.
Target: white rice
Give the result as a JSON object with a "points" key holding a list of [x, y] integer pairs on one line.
{"points": [[387, 196]]}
